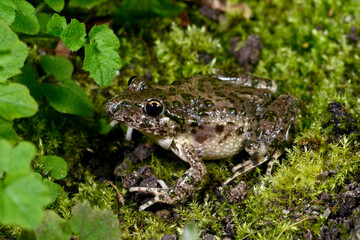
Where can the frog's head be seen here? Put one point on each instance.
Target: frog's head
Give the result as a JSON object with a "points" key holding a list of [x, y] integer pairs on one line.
{"points": [[141, 107]]}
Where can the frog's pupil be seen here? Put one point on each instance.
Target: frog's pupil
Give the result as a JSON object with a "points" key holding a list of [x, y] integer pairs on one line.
{"points": [[154, 108]]}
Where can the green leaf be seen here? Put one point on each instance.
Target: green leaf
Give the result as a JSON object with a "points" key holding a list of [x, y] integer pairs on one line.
{"points": [[25, 19], [28, 78], [68, 98], [56, 25], [84, 3], [12, 53], [132, 10], [16, 101], [56, 5], [22, 194], [7, 11], [43, 19], [59, 67], [54, 189], [93, 223], [102, 126], [74, 34], [101, 63], [56, 166], [53, 227], [104, 37], [16, 160], [7, 131], [22, 198]]}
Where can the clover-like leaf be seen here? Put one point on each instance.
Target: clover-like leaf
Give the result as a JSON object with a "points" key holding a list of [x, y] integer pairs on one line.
{"points": [[56, 5], [22, 194], [68, 97], [22, 198], [56, 166], [7, 131], [59, 67], [7, 11], [53, 227], [16, 159], [12, 53], [16, 101], [74, 34], [25, 19], [93, 223], [56, 25]]}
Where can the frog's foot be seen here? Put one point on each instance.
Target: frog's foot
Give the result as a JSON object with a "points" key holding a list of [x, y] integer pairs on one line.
{"points": [[160, 196], [248, 165]]}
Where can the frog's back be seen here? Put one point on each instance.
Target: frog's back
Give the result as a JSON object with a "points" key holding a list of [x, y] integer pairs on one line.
{"points": [[215, 115]]}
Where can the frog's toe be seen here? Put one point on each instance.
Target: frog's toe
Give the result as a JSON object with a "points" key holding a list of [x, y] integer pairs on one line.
{"points": [[149, 190]]}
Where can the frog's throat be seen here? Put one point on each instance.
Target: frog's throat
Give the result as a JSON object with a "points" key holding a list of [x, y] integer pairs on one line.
{"points": [[164, 142]]}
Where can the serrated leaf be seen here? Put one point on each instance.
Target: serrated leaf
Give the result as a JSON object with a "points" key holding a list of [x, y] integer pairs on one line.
{"points": [[53, 227], [74, 34], [56, 166], [68, 98], [12, 53], [25, 19], [16, 159], [7, 131], [59, 67], [22, 198], [93, 223], [84, 3], [16, 101], [104, 37], [56, 25], [7, 11], [56, 5], [28, 77], [101, 63]]}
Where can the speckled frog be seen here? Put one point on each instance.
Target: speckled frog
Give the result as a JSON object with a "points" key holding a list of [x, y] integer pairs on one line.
{"points": [[207, 117]]}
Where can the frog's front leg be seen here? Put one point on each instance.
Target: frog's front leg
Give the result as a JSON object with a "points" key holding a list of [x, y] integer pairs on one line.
{"points": [[186, 184]]}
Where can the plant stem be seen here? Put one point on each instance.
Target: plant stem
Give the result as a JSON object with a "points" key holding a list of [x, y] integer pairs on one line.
{"points": [[39, 8]]}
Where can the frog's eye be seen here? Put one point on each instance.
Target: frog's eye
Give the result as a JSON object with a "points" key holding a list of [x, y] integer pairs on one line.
{"points": [[154, 107], [131, 79]]}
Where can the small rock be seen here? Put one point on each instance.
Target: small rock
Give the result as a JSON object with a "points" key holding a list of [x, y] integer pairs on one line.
{"points": [[169, 237], [237, 193], [163, 214], [208, 237]]}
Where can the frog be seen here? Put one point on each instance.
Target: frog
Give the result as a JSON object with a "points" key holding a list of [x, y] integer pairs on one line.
{"points": [[207, 118]]}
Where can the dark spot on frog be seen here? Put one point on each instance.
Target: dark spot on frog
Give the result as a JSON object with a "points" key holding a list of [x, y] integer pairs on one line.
{"points": [[233, 111], [188, 97], [229, 134], [202, 112], [178, 119], [193, 131], [230, 123], [193, 123], [219, 94], [115, 108], [201, 137], [254, 82], [176, 104], [146, 122], [239, 131], [208, 103], [219, 128], [270, 116]]}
